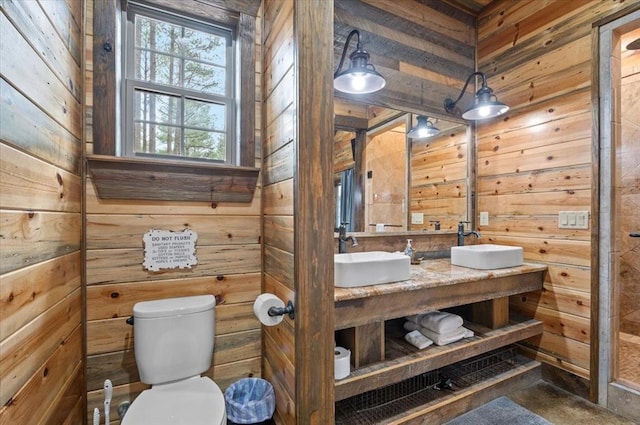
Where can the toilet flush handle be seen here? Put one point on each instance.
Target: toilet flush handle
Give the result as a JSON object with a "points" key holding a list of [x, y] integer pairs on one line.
{"points": [[130, 321]]}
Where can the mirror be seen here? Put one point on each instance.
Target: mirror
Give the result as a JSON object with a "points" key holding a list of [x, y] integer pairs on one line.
{"points": [[386, 181]]}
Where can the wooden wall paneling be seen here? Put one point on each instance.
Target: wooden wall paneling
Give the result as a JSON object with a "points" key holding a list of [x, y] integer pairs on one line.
{"points": [[28, 291], [103, 64], [423, 62], [35, 79], [247, 94], [45, 40], [536, 31], [531, 204], [278, 166], [118, 299], [27, 349], [67, 18], [574, 178], [279, 265], [564, 349], [359, 174], [556, 364], [66, 408], [41, 94], [313, 218], [343, 151], [125, 231], [31, 184], [28, 128], [278, 198], [561, 251], [95, 205], [31, 238], [555, 156], [557, 322], [537, 161], [120, 265], [278, 230], [38, 394]]}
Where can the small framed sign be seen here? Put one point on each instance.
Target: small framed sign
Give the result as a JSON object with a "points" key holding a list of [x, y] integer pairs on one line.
{"points": [[166, 249]]}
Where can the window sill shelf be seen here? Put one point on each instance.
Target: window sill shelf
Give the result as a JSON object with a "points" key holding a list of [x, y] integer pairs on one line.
{"points": [[162, 180]]}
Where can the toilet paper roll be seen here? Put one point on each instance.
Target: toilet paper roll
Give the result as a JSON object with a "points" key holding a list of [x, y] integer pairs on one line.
{"points": [[261, 308], [342, 363]]}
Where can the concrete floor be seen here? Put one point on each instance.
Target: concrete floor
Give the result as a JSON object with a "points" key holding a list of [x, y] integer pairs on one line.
{"points": [[562, 408]]}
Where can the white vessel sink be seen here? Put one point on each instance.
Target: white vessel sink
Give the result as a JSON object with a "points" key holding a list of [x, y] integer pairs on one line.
{"points": [[486, 256], [369, 268]]}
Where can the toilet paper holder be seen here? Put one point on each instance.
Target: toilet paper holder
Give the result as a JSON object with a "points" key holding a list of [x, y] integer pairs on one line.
{"points": [[279, 311]]}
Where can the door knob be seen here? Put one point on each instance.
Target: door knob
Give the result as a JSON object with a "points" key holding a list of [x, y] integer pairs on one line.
{"points": [[635, 235]]}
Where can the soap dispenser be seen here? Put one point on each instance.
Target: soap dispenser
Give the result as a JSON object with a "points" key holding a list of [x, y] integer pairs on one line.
{"points": [[408, 249]]}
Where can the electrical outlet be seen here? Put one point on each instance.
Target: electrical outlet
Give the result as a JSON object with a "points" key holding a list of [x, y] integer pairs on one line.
{"points": [[484, 218], [417, 218]]}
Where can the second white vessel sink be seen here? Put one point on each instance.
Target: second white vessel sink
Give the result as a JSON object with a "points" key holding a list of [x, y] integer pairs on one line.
{"points": [[486, 256], [370, 268]]}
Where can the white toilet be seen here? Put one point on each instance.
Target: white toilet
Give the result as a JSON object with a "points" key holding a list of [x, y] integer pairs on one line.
{"points": [[173, 341]]}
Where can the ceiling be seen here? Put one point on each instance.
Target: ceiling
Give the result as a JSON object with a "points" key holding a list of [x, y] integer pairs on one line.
{"points": [[474, 6]]}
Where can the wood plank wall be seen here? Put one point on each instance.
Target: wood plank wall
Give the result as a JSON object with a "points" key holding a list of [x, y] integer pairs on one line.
{"points": [[536, 161], [229, 266], [278, 151], [297, 206], [424, 49], [41, 331]]}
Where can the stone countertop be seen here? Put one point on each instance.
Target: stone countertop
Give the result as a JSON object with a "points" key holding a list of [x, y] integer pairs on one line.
{"points": [[433, 273]]}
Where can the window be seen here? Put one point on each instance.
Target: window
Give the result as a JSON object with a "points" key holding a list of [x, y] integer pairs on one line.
{"points": [[178, 88]]}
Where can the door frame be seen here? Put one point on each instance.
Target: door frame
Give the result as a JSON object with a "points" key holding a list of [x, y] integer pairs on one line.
{"points": [[607, 75]]}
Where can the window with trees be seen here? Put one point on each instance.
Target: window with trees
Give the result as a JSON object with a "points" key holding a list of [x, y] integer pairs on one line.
{"points": [[178, 88]]}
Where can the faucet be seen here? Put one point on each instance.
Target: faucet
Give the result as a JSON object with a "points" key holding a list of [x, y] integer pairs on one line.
{"points": [[343, 238], [462, 234]]}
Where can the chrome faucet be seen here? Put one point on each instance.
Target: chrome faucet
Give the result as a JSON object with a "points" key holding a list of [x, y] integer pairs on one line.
{"points": [[462, 234], [343, 238]]}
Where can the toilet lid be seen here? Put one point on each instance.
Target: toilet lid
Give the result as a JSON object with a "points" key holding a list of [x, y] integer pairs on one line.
{"points": [[195, 401]]}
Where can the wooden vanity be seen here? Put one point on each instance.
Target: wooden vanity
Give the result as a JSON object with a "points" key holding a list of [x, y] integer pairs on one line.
{"points": [[364, 318]]}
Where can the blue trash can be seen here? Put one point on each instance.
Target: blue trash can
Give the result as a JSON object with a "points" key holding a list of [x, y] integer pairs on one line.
{"points": [[250, 401]]}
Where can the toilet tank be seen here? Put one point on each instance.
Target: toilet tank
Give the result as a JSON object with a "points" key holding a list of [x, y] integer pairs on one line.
{"points": [[173, 338]]}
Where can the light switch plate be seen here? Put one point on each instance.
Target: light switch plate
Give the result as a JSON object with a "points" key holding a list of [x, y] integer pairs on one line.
{"points": [[484, 218], [573, 220], [417, 218]]}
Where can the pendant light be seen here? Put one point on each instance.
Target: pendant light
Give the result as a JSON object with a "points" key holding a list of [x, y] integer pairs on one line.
{"points": [[361, 77], [423, 129], [486, 104]]}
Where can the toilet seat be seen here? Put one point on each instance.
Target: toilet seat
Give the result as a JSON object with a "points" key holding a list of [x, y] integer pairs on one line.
{"points": [[194, 401]]}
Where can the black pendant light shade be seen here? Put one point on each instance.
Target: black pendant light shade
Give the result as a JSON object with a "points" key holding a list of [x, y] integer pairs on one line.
{"points": [[423, 129], [486, 104], [361, 77]]}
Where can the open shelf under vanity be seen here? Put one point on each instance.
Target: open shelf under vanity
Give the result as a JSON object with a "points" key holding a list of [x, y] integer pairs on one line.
{"points": [[398, 377]]}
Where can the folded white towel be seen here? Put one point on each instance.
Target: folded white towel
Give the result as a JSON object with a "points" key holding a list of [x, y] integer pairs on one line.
{"points": [[418, 340], [411, 326], [416, 317], [444, 339], [440, 321], [438, 338]]}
